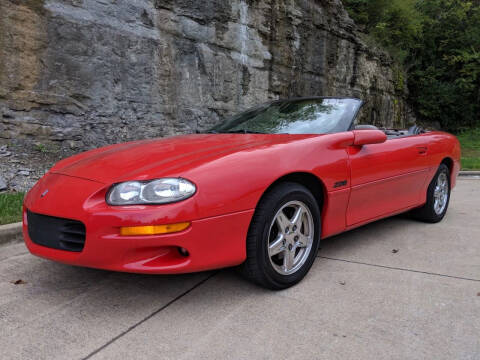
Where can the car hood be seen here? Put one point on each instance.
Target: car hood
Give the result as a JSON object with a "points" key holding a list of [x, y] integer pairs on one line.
{"points": [[146, 159]]}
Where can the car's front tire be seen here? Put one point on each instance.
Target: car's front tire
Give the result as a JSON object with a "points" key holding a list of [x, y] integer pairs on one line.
{"points": [[283, 237], [438, 197]]}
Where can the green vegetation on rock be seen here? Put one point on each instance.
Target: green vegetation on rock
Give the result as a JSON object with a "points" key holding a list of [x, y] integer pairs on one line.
{"points": [[437, 42]]}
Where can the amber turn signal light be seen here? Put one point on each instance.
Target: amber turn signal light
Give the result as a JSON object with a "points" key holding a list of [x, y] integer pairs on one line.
{"points": [[153, 229]]}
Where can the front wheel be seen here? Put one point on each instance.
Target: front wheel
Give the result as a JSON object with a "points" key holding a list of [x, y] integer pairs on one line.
{"points": [[438, 197], [283, 238]]}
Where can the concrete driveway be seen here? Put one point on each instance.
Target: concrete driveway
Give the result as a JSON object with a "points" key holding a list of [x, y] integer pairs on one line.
{"points": [[362, 299]]}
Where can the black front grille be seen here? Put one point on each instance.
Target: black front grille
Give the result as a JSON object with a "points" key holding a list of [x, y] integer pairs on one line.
{"points": [[56, 233]]}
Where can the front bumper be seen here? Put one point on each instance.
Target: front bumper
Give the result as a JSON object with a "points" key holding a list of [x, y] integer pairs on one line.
{"points": [[211, 243]]}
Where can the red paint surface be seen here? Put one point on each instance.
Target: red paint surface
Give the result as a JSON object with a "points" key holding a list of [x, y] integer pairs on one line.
{"points": [[231, 172]]}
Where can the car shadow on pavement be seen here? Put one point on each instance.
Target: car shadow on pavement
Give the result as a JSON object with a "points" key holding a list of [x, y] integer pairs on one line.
{"points": [[375, 232], [57, 284]]}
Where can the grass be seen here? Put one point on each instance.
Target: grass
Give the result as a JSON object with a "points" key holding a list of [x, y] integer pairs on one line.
{"points": [[11, 207], [470, 142]]}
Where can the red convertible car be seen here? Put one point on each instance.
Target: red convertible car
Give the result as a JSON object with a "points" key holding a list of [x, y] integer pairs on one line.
{"points": [[259, 190]]}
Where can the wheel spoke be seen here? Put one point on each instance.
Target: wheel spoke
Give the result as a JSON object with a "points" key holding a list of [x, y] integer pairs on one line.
{"points": [[282, 221], [303, 241], [297, 217], [288, 259], [276, 246]]}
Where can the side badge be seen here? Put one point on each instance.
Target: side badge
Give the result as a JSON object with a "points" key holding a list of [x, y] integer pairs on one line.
{"points": [[44, 193]]}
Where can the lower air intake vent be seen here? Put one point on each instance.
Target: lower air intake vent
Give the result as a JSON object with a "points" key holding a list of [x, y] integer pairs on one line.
{"points": [[56, 233]]}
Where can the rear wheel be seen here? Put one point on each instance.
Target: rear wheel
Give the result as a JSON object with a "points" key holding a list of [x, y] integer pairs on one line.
{"points": [[283, 237], [438, 197]]}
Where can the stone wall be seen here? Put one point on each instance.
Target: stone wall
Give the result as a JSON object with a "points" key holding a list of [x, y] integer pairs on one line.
{"points": [[84, 73]]}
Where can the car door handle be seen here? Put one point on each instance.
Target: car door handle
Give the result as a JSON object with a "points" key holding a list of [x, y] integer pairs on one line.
{"points": [[422, 150]]}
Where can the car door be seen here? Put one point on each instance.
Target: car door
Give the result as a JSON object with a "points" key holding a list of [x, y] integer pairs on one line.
{"points": [[386, 178]]}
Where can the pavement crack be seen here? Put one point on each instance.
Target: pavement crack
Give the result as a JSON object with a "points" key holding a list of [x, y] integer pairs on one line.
{"points": [[401, 269], [148, 317]]}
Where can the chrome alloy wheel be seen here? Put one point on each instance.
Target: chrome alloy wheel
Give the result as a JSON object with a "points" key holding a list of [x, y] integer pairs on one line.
{"points": [[441, 193], [290, 237]]}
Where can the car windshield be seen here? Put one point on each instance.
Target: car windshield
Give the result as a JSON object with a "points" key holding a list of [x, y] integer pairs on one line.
{"points": [[300, 116]]}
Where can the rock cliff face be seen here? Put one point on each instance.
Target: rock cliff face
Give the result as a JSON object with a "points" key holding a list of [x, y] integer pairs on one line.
{"points": [[84, 73]]}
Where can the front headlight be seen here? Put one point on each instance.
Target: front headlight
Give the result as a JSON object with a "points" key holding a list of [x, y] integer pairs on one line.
{"points": [[159, 191]]}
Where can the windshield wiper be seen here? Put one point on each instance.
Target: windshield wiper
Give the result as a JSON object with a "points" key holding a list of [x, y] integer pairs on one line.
{"points": [[243, 131], [206, 132]]}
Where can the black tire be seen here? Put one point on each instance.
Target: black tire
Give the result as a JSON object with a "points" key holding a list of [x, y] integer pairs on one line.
{"points": [[258, 266], [427, 212]]}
